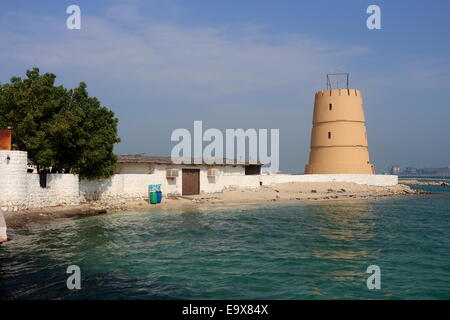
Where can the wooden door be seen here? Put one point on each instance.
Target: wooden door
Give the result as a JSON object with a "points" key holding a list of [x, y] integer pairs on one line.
{"points": [[191, 182]]}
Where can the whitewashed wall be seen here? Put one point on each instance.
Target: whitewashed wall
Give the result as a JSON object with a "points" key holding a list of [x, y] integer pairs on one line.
{"points": [[135, 185], [13, 179], [229, 177], [21, 190], [61, 189], [368, 179], [129, 168]]}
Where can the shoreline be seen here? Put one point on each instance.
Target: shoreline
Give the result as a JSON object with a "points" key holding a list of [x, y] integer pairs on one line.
{"points": [[425, 182], [283, 193]]}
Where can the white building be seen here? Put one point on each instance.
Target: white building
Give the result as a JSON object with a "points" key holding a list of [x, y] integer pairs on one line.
{"points": [[186, 179], [22, 190]]}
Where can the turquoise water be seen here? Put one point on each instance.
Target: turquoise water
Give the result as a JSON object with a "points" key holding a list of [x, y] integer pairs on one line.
{"points": [[304, 251]]}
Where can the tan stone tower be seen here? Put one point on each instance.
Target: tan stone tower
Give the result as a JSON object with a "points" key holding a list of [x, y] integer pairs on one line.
{"points": [[339, 138]]}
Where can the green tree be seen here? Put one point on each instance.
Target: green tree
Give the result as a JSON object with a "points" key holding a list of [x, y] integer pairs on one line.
{"points": [[63, 129]]}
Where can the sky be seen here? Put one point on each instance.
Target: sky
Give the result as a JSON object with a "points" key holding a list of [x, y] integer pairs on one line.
{"points": [[161, 64]]}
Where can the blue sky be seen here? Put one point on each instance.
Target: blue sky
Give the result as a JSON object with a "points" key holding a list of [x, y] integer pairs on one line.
{"points": [[160, 65]]}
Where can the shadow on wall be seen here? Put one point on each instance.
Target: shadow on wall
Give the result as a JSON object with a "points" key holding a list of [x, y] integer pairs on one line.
{"points": [[92, 190], [54, 178]]}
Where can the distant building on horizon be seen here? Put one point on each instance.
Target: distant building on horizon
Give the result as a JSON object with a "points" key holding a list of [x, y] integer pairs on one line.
{"points": [[410, 170], [396, 170]]}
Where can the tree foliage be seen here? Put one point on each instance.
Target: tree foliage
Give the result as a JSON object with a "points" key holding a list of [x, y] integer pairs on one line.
{"points": [[62, 129]]}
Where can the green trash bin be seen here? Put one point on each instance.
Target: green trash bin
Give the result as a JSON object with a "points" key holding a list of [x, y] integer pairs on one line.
{"points": [[153, 198]]}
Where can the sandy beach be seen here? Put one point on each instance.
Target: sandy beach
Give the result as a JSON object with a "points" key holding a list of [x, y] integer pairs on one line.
{"points": [[284, 192]]}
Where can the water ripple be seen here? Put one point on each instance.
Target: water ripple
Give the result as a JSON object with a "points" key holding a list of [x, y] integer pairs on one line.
{"points": [[302, 251]]}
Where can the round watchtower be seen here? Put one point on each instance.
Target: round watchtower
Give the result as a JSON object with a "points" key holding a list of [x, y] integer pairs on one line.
{"points": [[339, 138]]}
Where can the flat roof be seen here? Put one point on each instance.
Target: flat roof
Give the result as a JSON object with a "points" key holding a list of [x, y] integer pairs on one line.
{"points": [[140, 158]]}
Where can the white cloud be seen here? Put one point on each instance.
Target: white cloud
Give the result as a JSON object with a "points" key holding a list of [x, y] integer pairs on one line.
{"points": [[158, 76], [225, 75], [127, 12], [195, 62]]}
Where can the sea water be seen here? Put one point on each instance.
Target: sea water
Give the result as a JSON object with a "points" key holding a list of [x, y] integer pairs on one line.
{"points": [[318, 250]]}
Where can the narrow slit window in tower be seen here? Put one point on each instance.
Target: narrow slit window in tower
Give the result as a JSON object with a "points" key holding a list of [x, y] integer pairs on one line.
{"points": [[329, 135], [331, 106]]}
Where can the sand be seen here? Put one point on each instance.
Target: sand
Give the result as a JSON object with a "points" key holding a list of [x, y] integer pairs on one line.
{"points": [[283, 192], [278, 193]]}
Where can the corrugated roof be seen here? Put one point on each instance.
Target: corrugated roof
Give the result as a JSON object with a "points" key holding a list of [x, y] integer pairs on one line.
{"points": [[140, 158]]}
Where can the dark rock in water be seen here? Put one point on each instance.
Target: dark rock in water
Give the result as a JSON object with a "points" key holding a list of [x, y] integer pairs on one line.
{"points": [[423, 192]]}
